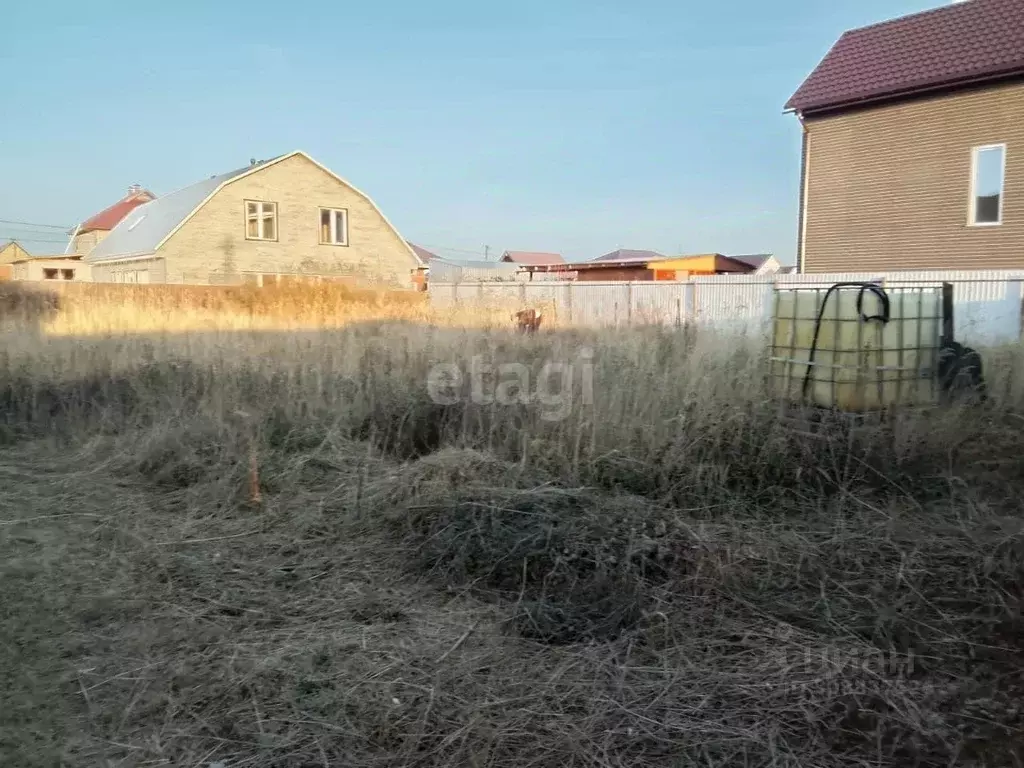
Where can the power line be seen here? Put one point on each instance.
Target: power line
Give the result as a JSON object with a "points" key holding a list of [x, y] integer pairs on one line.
{"points": [[18, 238], [484, 250], [30, 224]]}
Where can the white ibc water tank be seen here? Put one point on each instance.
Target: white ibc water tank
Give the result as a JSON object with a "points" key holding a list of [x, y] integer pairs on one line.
{"points": [[856, 347]]}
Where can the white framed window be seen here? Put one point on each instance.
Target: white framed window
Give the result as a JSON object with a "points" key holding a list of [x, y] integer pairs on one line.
{"points": [[333, 226], [260, 220], [988, 171]]}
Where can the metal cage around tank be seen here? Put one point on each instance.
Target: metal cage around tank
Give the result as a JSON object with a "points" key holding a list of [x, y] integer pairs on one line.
{"points": [[860, 347]]}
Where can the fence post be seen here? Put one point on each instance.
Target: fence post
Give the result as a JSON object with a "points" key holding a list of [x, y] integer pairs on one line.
{"points": [[629, 303], [1020, 315], [522, 294], [569, 287]]}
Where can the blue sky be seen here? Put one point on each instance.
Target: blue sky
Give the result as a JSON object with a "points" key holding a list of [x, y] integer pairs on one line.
{"points": [[577, 126]]}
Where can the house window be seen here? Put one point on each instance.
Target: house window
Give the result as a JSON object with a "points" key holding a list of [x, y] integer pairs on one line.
{"points": [[67, 274], [50, 274], [333, 226], [260, 220], [988, 166]]}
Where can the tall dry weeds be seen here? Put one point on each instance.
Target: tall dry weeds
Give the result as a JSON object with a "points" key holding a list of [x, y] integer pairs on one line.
{"points": [[669, 575]]}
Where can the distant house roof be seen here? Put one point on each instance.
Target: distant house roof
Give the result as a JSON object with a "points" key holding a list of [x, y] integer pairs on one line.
{"points": [[423, 253], [50, 257], [109, 218], [625, 254], [452, 271], [533, 258], [715, 262], [11, 251], [754, 260], [149, 225], [977, 40]]}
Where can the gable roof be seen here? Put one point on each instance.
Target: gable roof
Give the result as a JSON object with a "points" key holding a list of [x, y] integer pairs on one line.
{"points": [[150, 225], [625, 254], [534, 258], [754, 260], [423, 253], [966, 42], [109, 218], [12, 251]]}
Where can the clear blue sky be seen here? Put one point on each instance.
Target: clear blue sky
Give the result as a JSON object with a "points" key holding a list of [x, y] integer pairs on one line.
{"points": [[577, 126]]}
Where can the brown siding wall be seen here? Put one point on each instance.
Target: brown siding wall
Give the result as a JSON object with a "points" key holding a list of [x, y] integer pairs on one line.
{"points": [[211, 246], [888, 187]]}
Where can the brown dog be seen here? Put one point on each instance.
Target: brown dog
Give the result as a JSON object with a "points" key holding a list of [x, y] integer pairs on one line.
{"points": [[527, 320]]}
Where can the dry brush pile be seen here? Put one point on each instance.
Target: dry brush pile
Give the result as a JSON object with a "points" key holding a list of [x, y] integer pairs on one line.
{"points": [[668, 575]]}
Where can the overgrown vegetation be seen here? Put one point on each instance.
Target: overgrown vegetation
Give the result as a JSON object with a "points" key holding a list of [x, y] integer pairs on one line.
{"points": [[669, 575]]}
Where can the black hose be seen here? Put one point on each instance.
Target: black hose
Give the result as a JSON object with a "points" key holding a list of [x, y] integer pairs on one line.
{"points": [[864, 288]]}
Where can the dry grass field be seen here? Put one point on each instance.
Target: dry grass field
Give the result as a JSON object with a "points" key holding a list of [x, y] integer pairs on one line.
{"points": [[236, 531]]}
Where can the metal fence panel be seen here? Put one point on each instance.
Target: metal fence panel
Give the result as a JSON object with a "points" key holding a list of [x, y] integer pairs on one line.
{"points": [[987, 303], [743, 307], [668, 303]]}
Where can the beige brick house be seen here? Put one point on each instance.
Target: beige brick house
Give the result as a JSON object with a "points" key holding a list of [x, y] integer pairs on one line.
{"points": [[913, 144], [10, 252], [271, 220], [51, 269], [93, 230]]}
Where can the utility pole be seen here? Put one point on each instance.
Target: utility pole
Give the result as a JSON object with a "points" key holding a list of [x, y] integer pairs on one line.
{"points": [[487, 253]]}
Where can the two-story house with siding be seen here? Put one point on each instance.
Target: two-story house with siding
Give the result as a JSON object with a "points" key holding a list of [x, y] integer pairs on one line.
{"points": [[913, 144], [264, 223]]}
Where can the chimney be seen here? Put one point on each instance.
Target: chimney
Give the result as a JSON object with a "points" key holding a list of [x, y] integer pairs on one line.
{"points": [[134, 189]]}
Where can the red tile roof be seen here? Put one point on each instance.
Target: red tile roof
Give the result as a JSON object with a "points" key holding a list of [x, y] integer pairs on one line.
{"points": [[533, 258], [957, 44], [109, 218]]}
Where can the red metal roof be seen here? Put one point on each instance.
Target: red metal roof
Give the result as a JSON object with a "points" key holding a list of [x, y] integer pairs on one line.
{"points": [[533, 258], [965, 42], [110, 217]]}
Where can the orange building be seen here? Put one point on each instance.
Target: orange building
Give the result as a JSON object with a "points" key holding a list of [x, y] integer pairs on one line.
{"points": [[672, 268]]}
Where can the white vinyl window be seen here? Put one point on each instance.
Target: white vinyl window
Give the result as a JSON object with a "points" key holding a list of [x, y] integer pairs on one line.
{"points": [[988, 169], [260, 220], [333, 226]]}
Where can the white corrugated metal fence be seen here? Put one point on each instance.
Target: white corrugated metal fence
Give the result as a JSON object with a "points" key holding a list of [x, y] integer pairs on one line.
{"points": [[987, 304]]}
